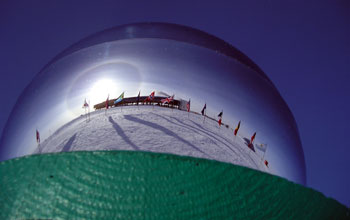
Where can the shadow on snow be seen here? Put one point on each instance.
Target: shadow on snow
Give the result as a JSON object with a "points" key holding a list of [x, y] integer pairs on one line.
{"points": [[121, 133], [164, 130], [69, 143]]}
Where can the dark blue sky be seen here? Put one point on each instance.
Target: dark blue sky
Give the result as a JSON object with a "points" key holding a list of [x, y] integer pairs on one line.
{"points": [[303, 48]]}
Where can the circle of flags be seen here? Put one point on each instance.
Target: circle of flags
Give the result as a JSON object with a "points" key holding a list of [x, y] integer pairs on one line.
{"points": [[168, 100]]}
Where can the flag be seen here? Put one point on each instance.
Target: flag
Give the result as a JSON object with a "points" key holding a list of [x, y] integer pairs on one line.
{"points": [[37, 137], [150, 97], [220, 114], [237, 128], [220, 117], [119, 99], [167, 100], [85, 105], [107, 102], [204, 108], [252, 138], [188, 105], [261, 147], [266, 163], [138, 98]]}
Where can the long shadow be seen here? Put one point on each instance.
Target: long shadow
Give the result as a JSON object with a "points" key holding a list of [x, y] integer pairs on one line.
{"points": [[121, 133], [211, 134], [40, 148], [194, 129], [202, 129], [183, 125], [241, 150], [164, 130], [69, 143]]}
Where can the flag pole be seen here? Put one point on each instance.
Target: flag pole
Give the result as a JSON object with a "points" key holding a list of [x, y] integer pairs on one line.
{"points": [[107, 104], [85, 116], [89, 110], [138, 100], [188, 106], [204, 111], [264, 154]]}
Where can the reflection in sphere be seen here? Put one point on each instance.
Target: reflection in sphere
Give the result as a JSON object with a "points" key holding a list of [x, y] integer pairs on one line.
{"points": [[135, 60]]}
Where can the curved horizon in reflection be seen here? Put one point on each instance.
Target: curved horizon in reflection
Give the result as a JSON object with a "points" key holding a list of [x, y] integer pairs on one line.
{"points": [[165, 58]]}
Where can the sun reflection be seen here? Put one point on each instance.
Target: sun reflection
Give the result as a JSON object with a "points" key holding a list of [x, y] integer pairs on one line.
{"points": [[101, 89]]}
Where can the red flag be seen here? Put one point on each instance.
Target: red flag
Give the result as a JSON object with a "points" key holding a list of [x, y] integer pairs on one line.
{"points": [[107, 102], [188, 105], [237, 128], [150, 97], [85, 105], [220, 117], [252, 138], [266, 163], [37, 137]]}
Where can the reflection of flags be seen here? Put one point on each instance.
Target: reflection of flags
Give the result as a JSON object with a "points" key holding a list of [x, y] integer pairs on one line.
{"points": [[261, 147], [204, 108], [107, 102], [237, 128], [119, 99], [85, 105], [150, 97], [188, 105], [37, 137], [167, 100], [138, 98], [252, 138]]}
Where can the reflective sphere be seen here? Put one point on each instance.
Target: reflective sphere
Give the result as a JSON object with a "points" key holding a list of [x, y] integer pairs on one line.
{"points": [[170, 60]]}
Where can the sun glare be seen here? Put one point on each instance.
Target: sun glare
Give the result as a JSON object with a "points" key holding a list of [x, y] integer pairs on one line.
{"points": [[101, 89]]}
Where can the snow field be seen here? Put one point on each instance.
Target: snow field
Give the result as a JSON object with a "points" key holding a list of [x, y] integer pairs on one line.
{"points": [[154, 129]]}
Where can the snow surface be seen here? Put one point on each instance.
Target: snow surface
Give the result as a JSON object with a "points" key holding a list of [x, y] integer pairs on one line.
{"points": [[155, 129]]}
